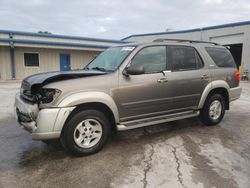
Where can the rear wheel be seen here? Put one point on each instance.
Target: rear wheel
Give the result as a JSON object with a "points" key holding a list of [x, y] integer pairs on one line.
{"points": [[213, 110], [86, 132]]}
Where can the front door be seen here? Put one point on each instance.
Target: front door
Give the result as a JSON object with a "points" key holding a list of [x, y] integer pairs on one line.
{"points": [[145, 94], [65, 62]]}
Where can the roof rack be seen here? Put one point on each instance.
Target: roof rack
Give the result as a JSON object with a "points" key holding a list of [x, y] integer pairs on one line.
{"points": [[184, 40]]}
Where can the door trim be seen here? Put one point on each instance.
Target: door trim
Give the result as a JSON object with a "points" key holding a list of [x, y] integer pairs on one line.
{"points": [[154, 101], [166, 112]]}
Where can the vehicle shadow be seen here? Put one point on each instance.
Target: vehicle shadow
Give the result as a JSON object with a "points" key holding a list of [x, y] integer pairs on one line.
{"points": [[161, 129], [41, 152]]}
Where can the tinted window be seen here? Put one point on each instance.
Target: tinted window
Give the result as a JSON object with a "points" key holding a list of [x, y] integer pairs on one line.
{"points": [[31, 59], [184, 58], [221, 57], [153, 59]]}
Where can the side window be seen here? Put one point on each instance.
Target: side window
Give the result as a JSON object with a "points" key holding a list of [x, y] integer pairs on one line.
{"points": [[184, 58], [221, 57], [153, 59]]}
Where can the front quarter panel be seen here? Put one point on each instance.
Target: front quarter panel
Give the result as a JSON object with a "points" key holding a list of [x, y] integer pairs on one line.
{"points": [[89, 97]]}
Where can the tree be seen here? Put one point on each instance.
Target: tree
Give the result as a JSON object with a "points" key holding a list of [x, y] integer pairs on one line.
{"points": [[45, 32]]}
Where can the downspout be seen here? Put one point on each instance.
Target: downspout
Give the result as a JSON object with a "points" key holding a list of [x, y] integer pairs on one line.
{"points": [[201, 34], [12, 57]]}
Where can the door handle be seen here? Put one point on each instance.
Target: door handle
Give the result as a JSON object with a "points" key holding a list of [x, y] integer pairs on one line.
{"points": [[162, 80], [204, 77]]}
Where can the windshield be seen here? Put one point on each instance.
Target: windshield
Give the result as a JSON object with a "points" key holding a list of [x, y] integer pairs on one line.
{"points": [[110, 59]]}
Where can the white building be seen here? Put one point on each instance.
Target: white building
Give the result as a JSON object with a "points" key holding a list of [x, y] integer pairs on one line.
{"points": [[235, 35]]}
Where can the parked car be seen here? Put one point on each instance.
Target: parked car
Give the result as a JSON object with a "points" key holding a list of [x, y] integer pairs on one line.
{"points": [[127, 87]]}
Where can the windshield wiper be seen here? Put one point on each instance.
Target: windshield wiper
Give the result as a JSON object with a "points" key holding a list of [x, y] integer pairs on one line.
{"points": [[99, 68]]}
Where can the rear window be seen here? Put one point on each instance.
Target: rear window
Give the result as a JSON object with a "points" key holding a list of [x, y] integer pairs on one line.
{"points": [[221, 57]]}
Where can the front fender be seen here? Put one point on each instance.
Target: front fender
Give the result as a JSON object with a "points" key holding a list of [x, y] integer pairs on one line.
{"points": [[88, 97], [210, 87]]}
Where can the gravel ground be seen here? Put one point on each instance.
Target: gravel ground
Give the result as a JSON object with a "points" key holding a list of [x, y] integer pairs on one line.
{"points": [[177, 154]]}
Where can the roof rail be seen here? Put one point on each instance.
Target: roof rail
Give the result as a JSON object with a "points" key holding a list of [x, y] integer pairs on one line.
{"points": [[184, 40]]}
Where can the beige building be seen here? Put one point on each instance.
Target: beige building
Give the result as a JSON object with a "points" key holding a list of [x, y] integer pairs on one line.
{"points": [[25, 53]]}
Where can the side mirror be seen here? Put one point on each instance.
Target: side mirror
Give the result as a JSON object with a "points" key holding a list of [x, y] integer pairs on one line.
{"points": [[134, 70]]}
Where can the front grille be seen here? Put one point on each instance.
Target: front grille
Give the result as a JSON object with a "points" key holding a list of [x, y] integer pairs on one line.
{"points": [[23, 117]]}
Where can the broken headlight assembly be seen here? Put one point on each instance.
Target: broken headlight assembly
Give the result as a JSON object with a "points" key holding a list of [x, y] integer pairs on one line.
{"points": [[47, 95]]}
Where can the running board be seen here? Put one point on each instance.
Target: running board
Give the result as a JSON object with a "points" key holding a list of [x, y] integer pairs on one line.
{"points": [[126, 125]]}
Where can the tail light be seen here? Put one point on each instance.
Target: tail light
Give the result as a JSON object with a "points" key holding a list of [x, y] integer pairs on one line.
{"points": [[237, 75]]}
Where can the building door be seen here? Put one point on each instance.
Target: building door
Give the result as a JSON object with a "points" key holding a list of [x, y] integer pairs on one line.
{"points": [[65, 62], [236, 51]]}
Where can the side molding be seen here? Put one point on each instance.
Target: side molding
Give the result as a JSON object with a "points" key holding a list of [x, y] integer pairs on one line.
{"points": [[88, 97], [210, 87]]}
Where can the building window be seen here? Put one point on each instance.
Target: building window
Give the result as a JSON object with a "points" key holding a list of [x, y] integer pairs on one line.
{"points": [[31, 59]]}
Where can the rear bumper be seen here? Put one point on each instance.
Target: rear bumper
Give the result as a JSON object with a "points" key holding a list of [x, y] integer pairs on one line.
{"points": [[234, 93], [43, 124]]}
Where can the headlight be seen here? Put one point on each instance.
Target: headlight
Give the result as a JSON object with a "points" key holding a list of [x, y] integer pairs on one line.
{"points": [[47, 95]]}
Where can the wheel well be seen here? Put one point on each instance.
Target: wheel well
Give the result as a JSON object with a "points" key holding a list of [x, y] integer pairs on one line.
{"points": [[95, 106], [223, 92]]}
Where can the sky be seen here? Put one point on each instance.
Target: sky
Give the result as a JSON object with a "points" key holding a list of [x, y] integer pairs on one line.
{"points": [[116, 19]]}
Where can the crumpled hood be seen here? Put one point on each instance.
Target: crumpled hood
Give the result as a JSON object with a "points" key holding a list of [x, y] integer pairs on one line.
{"points": [[49, 77]]}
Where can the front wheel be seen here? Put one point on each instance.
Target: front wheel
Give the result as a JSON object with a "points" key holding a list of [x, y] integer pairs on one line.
{"points": [[86, 132], [213, 110]]}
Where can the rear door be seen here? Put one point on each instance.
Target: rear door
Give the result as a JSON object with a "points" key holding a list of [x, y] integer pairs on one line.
{"points": [[188, 78]]}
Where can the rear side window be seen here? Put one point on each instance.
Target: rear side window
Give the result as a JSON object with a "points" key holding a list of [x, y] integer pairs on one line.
{"points": [[184, 58], [221, 57]]}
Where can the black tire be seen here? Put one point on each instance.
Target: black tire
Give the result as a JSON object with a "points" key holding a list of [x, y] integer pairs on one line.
{"points": [[67, 136], [204, 113]]}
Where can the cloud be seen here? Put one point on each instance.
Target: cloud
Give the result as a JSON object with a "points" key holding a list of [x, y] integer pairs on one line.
{"points": [[118, 19], [102, 29], [214, 1]]}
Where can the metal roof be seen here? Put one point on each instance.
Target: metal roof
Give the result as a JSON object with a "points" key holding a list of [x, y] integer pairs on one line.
{"points": [[192, 30], [76, 41], [66, 44], [59, 36]]}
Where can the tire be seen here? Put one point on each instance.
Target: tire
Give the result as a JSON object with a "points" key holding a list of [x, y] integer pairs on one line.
{"points": [[211, 113], [86, 133]]}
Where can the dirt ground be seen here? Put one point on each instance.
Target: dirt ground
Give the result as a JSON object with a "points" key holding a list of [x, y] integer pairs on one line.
{"points": [[177, 154]]}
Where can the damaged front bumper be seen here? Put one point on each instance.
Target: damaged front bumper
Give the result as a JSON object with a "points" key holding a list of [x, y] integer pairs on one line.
{"points": [[43, 124]]}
